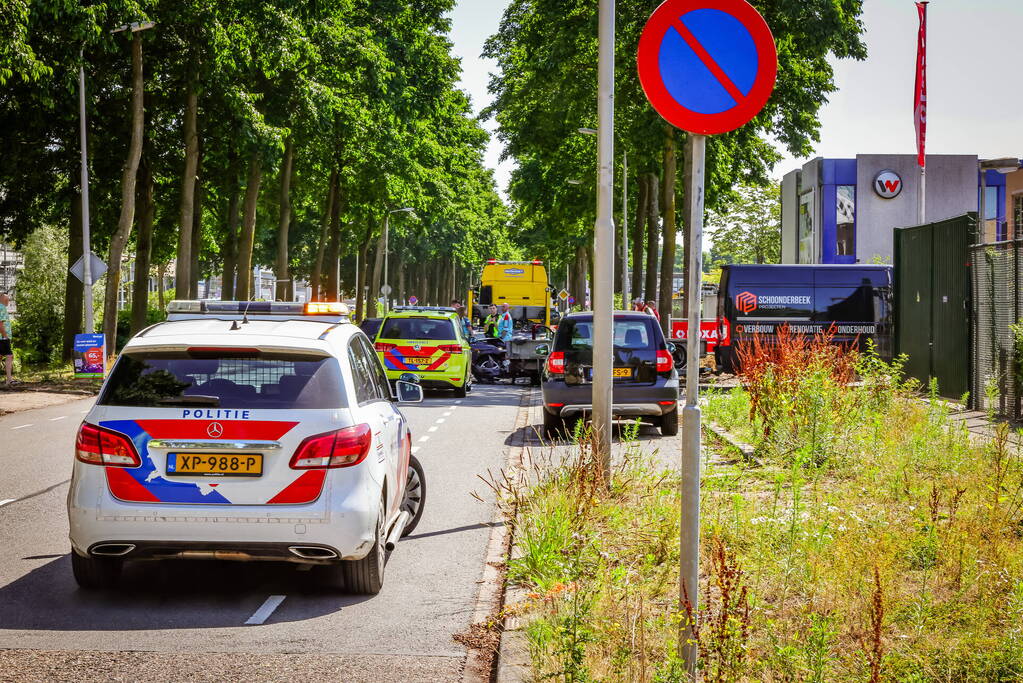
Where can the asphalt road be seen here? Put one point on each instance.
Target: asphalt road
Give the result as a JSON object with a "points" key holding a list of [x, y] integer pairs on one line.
{"points": [[172, 621]]}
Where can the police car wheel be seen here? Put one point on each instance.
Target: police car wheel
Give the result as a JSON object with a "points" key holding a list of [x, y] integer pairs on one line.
{"points": [[366, 576], [95, 572]]}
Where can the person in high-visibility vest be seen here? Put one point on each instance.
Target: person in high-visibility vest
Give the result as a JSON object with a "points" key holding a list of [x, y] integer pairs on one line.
{"points": [[490, 324]]}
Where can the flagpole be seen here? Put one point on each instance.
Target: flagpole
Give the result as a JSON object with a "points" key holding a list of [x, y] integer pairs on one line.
{"points": [[920, 111]]}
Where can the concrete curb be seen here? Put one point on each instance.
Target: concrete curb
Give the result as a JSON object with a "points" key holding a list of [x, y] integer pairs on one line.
{"points": [[485, 663], [747, 451]]}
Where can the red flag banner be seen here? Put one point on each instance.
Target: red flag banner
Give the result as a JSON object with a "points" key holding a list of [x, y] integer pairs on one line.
{"points": [[920, 94]]}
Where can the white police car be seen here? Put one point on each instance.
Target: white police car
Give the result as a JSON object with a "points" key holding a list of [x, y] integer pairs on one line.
{"points": [[246, 431]]}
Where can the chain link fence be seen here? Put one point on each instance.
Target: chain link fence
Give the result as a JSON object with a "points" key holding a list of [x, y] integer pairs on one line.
{"points": [[997, 302]]}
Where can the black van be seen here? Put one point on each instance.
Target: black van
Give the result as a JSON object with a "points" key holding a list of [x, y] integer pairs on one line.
{"points": [[855, 301]]}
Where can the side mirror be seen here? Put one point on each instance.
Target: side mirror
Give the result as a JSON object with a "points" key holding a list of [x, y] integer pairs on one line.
{"points": [[408, 392], [543, 350]]}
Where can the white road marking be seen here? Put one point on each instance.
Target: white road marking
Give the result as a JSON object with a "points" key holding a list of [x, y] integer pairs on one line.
{"points": [[20, 427], [447, 414], [265, 610], [423, 438], [5, 501], [440, 420], [54, 419], [432, 429]]}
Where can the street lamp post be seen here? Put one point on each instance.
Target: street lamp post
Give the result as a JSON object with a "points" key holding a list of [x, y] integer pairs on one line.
{"points": [[387, 223]]}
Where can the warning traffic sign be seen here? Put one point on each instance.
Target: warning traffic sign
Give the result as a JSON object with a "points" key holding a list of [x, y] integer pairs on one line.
{"points": [[707, 66]]}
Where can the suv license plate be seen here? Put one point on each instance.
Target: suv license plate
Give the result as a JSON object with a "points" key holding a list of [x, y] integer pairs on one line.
{"points": [[214, 465], [615, 373]]}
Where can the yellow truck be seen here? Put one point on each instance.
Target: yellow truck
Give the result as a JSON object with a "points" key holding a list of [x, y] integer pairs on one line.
{"points": [[524, 287]]}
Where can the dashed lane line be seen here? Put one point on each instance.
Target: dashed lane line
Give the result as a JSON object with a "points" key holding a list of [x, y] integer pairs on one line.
{"points": [[447, 414], [432, 429], [5, 501], [61, 417], [20, 427], [440, 420], [265, 610], [423, 438]]}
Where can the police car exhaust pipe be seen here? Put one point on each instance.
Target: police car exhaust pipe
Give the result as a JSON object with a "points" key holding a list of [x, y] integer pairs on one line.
{"points": [[396, 530], [112, 549], [307, 552]]}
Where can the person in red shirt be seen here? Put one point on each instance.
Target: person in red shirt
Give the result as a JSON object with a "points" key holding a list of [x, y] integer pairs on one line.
{"points": [[651, 309]]}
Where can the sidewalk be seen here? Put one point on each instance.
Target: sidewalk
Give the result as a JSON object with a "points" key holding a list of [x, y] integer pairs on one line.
{"points": [[29, 397]]}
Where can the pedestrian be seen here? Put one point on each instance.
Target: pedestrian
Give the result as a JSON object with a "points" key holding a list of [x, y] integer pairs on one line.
{"points": [[651, 309], [637, 304], [5, 337], [466, 323], [505, 324], [490, 324]]}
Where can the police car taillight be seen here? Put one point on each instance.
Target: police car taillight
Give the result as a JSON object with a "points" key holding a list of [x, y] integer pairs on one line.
{"points": [[343, 448], [97, 446]]}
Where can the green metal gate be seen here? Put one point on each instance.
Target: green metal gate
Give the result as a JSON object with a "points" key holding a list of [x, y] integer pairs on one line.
{"points": [[932, 301]]}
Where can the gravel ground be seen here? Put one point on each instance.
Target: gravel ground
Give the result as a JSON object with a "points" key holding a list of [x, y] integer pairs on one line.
{"points": [[31, 666]]}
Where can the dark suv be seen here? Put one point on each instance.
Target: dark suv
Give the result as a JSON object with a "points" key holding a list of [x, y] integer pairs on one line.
{"points": [[646, 385]]}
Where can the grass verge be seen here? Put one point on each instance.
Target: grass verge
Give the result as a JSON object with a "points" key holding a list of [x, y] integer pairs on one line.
{"points": [[876, 542]]}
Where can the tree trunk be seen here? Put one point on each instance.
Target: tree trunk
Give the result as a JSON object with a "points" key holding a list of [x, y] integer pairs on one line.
{"points": [[670, 229], [360, 284], [143, 248], [579, 277], [243, 290], [74, 293], [374, 286], [321, 248], [637, 248], [652, 215], [161, 276], [182, 276], [401, 284], [194, 268], [231, 230], [281, 266], [334, 247], [127, 217]]}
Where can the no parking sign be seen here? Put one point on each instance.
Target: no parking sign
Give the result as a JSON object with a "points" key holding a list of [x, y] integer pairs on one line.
{"points": [[707, 66]]}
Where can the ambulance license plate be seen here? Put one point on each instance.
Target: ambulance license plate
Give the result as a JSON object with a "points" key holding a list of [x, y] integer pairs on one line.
{"points": [[214, 465], [418, 361]]}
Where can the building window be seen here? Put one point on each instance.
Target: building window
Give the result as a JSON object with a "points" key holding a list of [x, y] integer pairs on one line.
{"points": [[1017, 216], [806, 250], [845, 221]]}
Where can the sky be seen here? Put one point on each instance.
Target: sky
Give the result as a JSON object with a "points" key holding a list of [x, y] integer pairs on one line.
{"points": [[975, 88]]}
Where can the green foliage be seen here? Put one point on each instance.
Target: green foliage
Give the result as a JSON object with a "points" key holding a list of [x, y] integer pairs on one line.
{"points": [[37, 331], [746, 227]]}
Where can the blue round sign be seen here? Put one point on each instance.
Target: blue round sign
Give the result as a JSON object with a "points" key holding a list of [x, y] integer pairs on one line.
{"points": [[707, 66]]}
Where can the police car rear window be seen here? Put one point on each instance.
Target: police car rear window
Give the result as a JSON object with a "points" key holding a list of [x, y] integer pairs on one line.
{"points": [[265, 381], [425, 329]]}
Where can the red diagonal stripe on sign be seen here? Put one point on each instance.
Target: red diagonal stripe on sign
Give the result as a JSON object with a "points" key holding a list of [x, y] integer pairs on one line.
{"points": [[708, 61]]}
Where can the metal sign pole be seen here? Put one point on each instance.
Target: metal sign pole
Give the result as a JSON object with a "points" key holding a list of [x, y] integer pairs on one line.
{"points": [[689, 536], [90, 324], [603, 242], [625, 231]]}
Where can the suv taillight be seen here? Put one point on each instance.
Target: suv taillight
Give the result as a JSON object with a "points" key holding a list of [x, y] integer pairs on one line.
{"points": [[453, 349], [664, 361], [556, 363], [384, 346], [343, 448], [97, 446]]}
